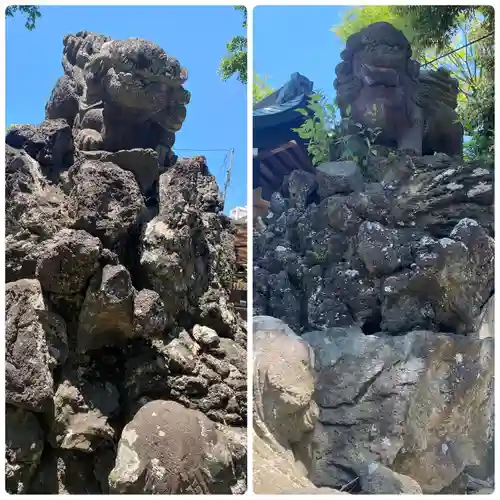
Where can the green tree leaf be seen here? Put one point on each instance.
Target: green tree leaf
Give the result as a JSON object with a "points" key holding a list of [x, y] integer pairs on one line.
{"points": [[261, 88], [32, 13], [235, 62]]}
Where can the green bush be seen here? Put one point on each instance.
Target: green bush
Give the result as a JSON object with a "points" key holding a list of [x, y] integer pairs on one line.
{"points": [[330, 139]]}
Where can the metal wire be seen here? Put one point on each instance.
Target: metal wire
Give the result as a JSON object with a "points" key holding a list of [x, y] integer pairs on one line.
{"points": [[459, 48]]}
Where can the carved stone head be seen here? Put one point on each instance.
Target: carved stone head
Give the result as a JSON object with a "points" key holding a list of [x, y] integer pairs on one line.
{"points": [[377, 79], [134, 74], [128, 93], [138, 75]]}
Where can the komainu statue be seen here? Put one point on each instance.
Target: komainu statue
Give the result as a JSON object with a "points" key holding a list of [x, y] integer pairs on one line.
{"points": [[120, 94], [380, 87]]}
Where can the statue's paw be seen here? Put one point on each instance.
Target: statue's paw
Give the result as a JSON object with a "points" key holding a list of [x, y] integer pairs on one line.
{"points": [[88, 140]]}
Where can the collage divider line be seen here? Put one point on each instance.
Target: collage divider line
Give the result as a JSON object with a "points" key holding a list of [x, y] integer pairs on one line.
{"points": [[249, 247]]}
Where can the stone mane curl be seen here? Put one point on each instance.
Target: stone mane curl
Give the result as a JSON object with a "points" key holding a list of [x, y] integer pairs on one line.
{"points": [[437, 87], [375, 34]]}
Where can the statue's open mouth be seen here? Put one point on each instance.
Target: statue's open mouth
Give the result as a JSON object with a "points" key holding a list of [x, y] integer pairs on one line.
{"points": [[378, 75]]}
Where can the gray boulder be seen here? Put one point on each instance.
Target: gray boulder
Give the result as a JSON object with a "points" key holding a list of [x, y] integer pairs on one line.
{"points": [[447, 285], [168, 449], [67, 261], [50, 143], [105, 201], [149, 319], [35, 210], [28, 375], [300, 187], [143, 163], [24, 443], [188, 250], [339, 177], [81, 413], [422, 398], [107, 314]]}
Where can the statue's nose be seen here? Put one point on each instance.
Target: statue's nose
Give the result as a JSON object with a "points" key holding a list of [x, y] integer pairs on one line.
{"points": [[376, 75]]}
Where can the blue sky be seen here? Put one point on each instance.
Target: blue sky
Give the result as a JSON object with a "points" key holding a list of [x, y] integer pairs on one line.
{"points": [[196, 36], [293, 38]]}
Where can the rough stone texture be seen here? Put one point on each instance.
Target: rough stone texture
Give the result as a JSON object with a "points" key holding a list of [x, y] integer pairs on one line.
{"points": [[382, 87], [67, 261], [435, 192], [143, 163], [188, 254], [207, 377], [35, 210], [24, 446], [80, 416], [206, 336], [410, 251], [284, 413], [420, 404], [234, 353], [149, 314], [485, 324], [119, 268], [50, 143], [236, 441], [451, 279], [217, 312], [383, 250], [168, 449], [377, 479], [339, 177], [28, 377], [63, 101], [196, 188], [107, 313], [105, 201], [300, 186], [167, 259]]}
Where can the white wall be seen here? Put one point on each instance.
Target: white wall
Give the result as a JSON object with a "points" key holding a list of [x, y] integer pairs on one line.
{"points": [[238, 213]]}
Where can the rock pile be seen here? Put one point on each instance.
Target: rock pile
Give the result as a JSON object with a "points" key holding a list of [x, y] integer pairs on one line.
{"points": [[409, 248], [389, 275], [126, 361]]}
